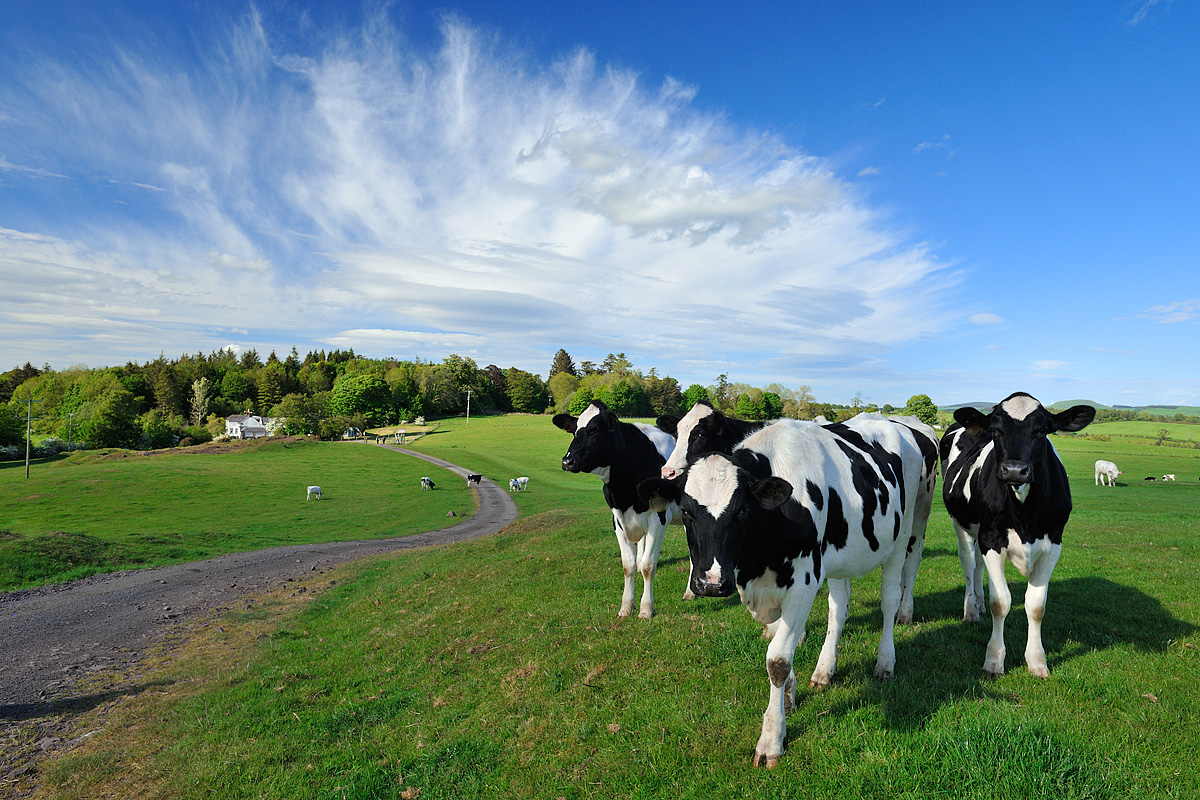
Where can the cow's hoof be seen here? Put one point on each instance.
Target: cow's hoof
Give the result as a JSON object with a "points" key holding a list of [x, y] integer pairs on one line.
{"points": [[645, 614], [765, 760], [884, 674], [689, 595], [993, 671], [625, 612], [819, 681], [1040, 671], [904, 618]]}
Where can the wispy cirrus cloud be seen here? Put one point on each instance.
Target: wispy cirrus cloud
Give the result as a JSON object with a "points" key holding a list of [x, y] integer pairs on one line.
{"points": [[1179, 311], [465, 198]]}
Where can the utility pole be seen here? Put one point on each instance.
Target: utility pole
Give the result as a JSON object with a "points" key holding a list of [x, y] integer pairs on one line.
{"points": [[28, 429], [468, 409]]}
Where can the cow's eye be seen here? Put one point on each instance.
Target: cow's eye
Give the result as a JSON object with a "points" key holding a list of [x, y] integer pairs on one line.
{"points": [[687, 517], [743, 512]]}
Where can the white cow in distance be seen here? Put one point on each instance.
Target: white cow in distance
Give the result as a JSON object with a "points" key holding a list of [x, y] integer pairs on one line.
{"points": [[1106, 471], [1170, 476], [313, 491], [518, 484]]}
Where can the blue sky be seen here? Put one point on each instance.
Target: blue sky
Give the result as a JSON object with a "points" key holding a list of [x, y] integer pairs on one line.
{"points": [[871, 199]]}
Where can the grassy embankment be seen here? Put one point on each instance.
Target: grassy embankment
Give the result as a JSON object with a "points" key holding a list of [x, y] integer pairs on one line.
{"points": [[497, 668], [96, 511]]}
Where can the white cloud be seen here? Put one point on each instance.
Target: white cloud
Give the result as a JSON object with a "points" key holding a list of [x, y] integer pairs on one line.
{"points": [[866, 172], [368, 195], [1049, 366], [986, 319], [1181, 311], [8, 166], [1144, 8]]}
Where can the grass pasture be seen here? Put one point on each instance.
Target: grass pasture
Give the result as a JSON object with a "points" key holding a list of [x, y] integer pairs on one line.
{"points": [[1144, 430], [100, 511], [498, 668]]}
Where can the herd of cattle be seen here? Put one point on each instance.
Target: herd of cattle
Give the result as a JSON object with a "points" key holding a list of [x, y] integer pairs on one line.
{"points": [[773, 510], [1107, 472]]}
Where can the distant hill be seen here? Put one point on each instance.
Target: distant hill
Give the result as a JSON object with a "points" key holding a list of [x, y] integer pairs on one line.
{"points": [[982, 406], [1065, 404], [1157, 410], [1164, 411]]}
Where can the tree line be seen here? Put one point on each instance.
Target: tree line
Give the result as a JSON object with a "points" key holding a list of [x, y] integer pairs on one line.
{"points": [[168, 402]]}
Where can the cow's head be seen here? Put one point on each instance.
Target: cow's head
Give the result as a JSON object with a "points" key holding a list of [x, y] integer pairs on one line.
{"points": [[592, 447], [702, 430], [1018, 426], [719, 502]]}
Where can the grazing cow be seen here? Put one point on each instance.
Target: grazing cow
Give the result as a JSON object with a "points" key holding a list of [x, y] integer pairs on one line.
{"points": [[1149, 478], [1007, 494], [474, 478], [313, 491], [793, 504], [426, 484], [1106, 471], [624, 454], [1170, 476], [518, 484], [704, 430]]}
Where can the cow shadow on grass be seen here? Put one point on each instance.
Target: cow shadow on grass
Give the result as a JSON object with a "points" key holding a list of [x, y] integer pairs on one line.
{"points": [[938, 664]]}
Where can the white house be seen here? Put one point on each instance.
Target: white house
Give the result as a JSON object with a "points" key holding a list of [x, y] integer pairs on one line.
{"points": [[245, 426]]}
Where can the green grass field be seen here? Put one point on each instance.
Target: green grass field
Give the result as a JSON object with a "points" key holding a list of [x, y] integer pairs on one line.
{"points": [[99, 511], [1141, 429], [498, 668]]}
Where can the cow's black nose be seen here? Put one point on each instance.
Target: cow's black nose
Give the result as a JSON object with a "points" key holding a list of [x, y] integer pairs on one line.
{"points": [[709, 589], [1015, 472], [568, 464]]}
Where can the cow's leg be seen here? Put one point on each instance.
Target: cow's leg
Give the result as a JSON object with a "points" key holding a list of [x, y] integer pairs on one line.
{"points": [[839, 607], [780, 654], [648, 548], [1035, 608], [972, 568], [912, 562], [629, 558], [893, 575], [993, 665]]}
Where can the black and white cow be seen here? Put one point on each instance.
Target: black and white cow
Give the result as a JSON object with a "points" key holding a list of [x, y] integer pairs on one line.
{"points": [[1007, 494], [704, 430], [624, 454], [792, 505]]}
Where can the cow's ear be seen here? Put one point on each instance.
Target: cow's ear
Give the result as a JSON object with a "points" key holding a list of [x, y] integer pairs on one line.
{"points": [[566, 422], [659, 493], [1074, 418], [771, 492], [971, 418], [668, 423], [608, 419]]}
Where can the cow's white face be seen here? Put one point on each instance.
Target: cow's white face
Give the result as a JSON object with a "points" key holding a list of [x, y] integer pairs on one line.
{"points": [[683, 432]]}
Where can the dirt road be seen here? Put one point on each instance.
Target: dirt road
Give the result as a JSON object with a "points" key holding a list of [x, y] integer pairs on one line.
{"points": [[53, 636]]}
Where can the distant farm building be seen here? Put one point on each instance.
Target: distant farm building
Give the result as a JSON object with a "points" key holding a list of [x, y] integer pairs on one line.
{"points": [[246, 426]]}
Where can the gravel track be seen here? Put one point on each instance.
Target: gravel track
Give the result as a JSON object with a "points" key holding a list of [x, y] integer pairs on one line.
{"points": [[54, 636]]}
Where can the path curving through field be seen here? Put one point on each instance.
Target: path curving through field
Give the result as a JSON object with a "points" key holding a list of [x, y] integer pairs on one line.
{"points": [[52, 636]]}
